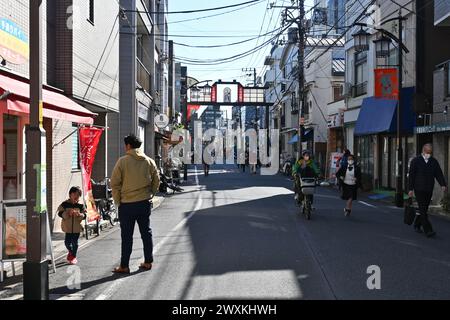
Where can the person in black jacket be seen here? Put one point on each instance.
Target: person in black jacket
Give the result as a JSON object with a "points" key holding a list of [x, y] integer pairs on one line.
{"points": [[423, 170], [349, 175]]}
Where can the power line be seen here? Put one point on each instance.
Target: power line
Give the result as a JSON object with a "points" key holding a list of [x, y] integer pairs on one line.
{"points": [[228, 59], [261, 28], [102, 55], [221, 45], [198, 10], [211, 16]]}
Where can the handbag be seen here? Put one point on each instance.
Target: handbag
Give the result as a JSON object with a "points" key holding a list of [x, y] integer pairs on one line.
{"points": [[410, 212]]}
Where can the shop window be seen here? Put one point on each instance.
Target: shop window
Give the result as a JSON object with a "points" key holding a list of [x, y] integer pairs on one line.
{"points": [[75, 151], [338, 92]]}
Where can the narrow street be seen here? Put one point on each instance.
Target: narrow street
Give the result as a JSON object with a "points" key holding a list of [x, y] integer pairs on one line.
{"points": [[236, 235]]}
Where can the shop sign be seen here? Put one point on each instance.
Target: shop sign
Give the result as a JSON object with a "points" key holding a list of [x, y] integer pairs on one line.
{"points": [[386, 83], [162, 121], [13, 230], [441, 127], [14, 46]]}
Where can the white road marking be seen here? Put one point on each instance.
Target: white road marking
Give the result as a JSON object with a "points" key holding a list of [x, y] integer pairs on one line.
{"points": [[367, 204], [108, 293]]}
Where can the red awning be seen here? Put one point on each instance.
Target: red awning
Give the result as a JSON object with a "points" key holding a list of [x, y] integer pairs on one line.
{"points": [[56, 105]]}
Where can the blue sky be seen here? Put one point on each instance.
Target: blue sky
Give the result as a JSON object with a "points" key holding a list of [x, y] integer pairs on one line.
{"points": [[239, 25]]}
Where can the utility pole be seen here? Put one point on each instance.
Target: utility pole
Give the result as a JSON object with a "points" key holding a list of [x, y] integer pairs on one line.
{"points": [[35, 269], [399, 188], [253, 70], [301, 72], [300, 21]]}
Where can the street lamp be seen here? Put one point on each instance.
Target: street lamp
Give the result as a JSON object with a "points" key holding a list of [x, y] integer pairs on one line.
{"points": [[383, 47], [207, 89], [361, 39], [383, 50]]}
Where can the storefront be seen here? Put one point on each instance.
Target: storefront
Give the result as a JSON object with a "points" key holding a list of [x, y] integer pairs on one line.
{"points": [[439, 135], [350, 118], [61, 116], [376, 141]]}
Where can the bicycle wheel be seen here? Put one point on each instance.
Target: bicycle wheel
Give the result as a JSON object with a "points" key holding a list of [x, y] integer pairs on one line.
{"points": [[308, 210], [113, 215]]}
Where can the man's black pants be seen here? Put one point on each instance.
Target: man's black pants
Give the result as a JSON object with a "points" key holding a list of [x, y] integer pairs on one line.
{"points": [[129, 214], [424, 200]]}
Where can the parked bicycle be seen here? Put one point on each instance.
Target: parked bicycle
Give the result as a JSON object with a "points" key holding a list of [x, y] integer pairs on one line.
{"points": [[104, 202]]}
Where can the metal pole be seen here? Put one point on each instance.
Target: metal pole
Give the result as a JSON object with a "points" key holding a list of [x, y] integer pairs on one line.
{"points": [[35, 269], [399, 187], [301, 70]]}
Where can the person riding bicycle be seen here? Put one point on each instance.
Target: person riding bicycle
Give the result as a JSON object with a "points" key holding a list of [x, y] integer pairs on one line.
{"points": [[305, 168]]}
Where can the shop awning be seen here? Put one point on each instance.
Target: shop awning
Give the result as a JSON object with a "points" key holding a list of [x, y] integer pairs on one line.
{"points": [[307, 135], [56, 105], [380, 115]]}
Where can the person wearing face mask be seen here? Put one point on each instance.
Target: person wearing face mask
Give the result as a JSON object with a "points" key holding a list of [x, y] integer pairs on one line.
{"points": [[306, 168], [423, 171], [349, 176]]}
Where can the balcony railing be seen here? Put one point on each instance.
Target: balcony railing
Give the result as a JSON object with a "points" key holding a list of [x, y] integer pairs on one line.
{"points": [[359, 89], [143, 76]]}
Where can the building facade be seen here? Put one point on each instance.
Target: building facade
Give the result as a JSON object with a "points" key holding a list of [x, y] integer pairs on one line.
{"points": [[75, 66]]}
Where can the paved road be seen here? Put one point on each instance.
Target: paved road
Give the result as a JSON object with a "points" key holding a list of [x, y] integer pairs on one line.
{"points": [[236, 235]]}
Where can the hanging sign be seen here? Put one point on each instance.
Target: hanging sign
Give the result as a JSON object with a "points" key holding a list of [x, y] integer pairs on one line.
{"points": [[89, 140], [14, 46]]}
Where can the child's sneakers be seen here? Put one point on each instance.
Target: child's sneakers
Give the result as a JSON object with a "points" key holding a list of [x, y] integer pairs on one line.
{"points": [[69, 257]]}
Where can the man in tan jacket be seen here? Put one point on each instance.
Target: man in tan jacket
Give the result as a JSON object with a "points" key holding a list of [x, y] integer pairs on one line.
{"points": [[134, 182]]}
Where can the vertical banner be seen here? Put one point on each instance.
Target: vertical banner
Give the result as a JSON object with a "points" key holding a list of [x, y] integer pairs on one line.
{"points": [[334, 164], [386, 83], [89, 140]]}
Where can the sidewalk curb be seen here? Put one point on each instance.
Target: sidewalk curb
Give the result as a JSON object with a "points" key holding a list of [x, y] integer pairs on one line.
{"points": [[59, 248], [433, 210]]}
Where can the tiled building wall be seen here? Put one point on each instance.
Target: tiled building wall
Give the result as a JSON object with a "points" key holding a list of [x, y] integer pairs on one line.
{"points": [[18, 12]]}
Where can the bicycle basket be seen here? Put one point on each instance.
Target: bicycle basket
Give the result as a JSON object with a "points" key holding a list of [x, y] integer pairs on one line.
{"points": [[99, 191], [308, 186]]}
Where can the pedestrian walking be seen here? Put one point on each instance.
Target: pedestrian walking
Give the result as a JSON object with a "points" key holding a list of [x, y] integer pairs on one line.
{"points": [[423, 172], [344, 159], [349, 177], [72, 214], [134, 182]]}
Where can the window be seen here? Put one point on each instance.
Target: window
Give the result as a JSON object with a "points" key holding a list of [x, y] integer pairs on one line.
{"points": [[75, 149], [393, 57], [360, 67], [338, 92], [283, 87], [91, 11], [227, 95]]}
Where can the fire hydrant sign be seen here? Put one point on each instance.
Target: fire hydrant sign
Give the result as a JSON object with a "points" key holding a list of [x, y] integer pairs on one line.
{"points": [[89, 140]]}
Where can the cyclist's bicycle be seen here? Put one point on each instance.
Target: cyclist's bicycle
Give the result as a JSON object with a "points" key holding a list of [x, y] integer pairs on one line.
{"points": [[308, 188]]}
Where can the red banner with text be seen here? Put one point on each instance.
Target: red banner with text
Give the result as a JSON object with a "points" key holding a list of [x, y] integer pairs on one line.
{"points": [[89, 140]]}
